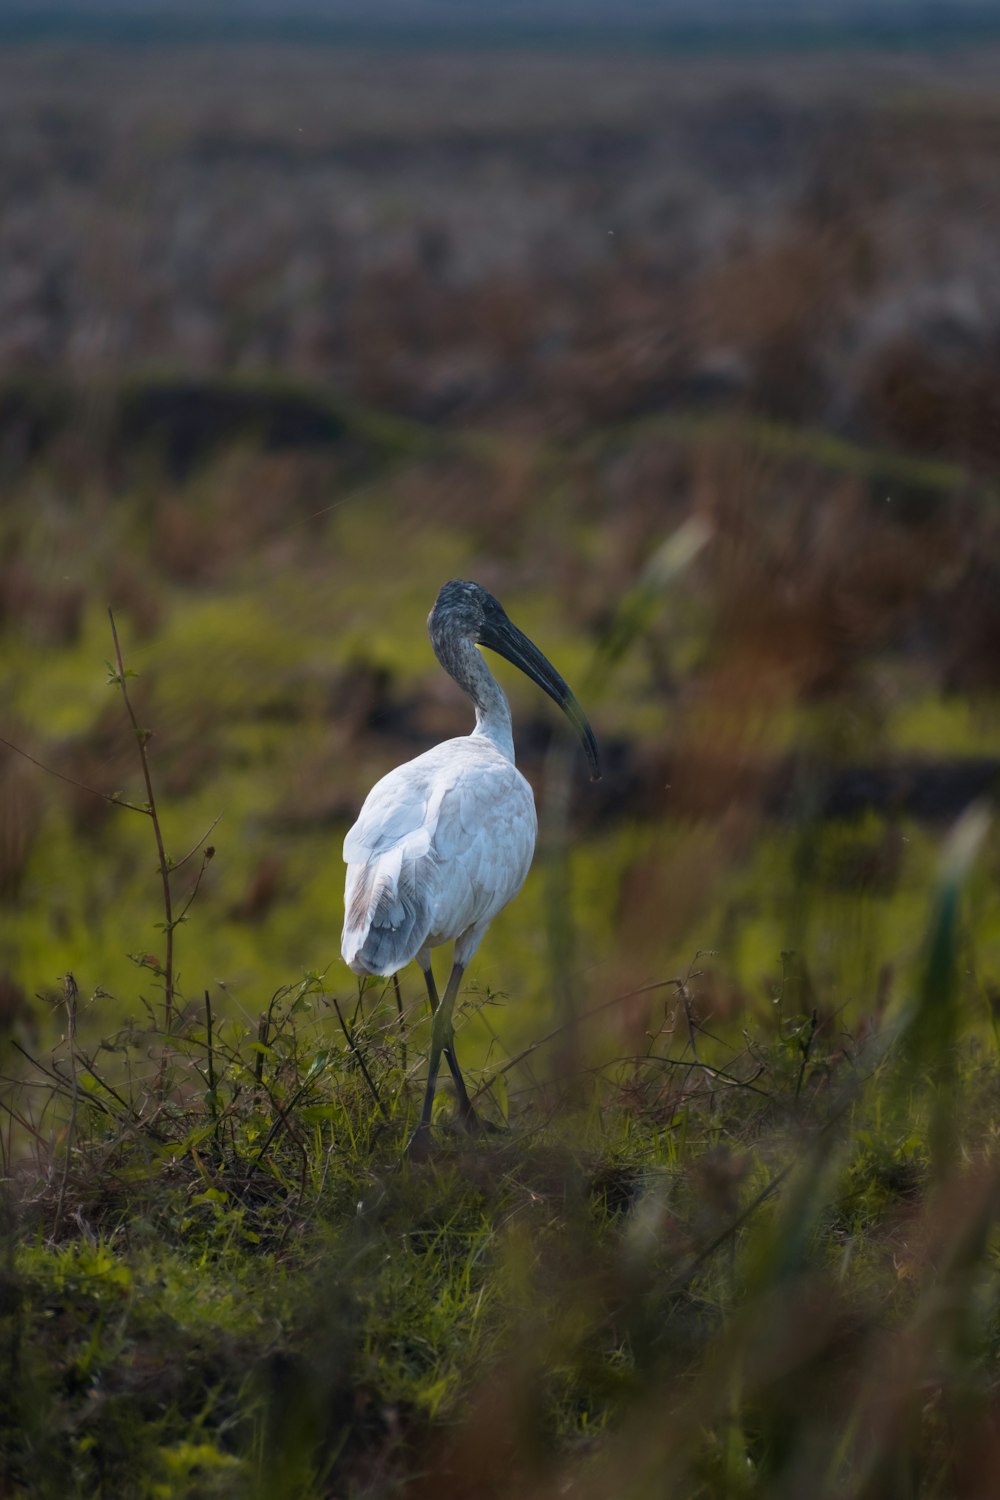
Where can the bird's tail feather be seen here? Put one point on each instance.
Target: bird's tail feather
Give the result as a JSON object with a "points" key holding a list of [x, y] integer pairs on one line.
{"points": [[386, 920]]}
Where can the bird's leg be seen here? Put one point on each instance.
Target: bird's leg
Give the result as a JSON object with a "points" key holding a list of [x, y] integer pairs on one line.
{"points": [[442, 1037], [466, 1113], [432, 989]]}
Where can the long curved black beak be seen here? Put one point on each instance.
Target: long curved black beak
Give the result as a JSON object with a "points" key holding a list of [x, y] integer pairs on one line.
{"points": [[503, 637]]}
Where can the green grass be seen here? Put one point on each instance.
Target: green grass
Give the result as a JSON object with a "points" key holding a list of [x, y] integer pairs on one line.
{"points": [[738, 1236], [227, 1280]]}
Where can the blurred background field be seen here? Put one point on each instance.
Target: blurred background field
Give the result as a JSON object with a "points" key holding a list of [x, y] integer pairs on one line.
{"points": [[290, 336], [681, 333]]}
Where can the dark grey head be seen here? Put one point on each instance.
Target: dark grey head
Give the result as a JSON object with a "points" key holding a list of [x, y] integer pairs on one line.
{"points": [[467, 611]]}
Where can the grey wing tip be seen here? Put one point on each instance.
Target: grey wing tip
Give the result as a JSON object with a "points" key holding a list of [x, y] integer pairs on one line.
{"points": [[396, 923], [384, 953]]}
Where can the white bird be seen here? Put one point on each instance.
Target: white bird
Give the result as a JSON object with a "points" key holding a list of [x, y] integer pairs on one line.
{"points": [[444, 841]]}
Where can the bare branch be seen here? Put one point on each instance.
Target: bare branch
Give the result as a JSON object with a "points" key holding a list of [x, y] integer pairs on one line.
{"points": [[111, 797], [194, 850], [71, 994], [142, 739], [352, 1044], [587, 1015], [205, 861]]}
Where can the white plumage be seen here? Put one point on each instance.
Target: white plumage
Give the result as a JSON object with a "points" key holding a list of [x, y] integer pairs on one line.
{"points": [[443, 842]]}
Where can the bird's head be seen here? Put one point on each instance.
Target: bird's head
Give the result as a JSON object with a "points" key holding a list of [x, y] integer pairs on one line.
{"points": [[467, 611], [463, 609]]}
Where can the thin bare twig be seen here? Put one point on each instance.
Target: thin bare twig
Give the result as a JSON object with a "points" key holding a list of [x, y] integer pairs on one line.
{"points": [[263, 1030], [720, 1074], [62, 1084], [364, 983], [685, 997], [683, 1278], [88, 1067], [805, 1047], [24, 1124], [71, 997], [587, 1015], [213, 1101], [284, 1114], [206, 860], [32, 1060], [142, 740], [82, 786], [194, 850], [352, 1044]]}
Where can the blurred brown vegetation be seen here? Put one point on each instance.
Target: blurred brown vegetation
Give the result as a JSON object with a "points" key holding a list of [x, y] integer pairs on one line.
{"points": [[539, 242], [553, 307]]}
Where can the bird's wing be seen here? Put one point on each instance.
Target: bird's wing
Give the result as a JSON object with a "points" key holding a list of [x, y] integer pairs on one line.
{"points": [[391, 814], [485, 837], [441, 844], [385, 902]]}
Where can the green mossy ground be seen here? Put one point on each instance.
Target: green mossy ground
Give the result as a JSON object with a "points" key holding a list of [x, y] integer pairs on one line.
{"points": [[250, 1291]]}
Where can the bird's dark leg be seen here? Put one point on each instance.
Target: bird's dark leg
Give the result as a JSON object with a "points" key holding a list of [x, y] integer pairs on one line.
{"points": [[466, 1113], [442, 1037], [432, 989]]}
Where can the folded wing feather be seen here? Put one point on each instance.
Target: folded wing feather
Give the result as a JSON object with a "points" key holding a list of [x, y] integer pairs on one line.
{"points": [[386, 916], [441, 843]]}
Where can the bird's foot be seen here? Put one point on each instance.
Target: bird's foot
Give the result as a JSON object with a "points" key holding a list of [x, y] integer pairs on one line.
{"points": [[475, 1125], [418, 1147]]}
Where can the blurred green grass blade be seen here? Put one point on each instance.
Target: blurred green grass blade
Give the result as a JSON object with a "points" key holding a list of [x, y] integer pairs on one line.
{"points": [[931, 1030]]}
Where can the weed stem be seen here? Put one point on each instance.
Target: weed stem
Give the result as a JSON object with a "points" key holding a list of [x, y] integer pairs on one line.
{"points": [[142, 738]]}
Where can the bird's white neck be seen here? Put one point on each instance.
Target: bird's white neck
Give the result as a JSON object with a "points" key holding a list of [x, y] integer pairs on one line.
{"points": [[492, 709], [496, 728]]}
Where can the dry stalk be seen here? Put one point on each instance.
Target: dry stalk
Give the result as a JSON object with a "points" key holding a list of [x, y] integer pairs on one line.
{"points": [[142, 737], [71, 996], [359, 1055]]}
